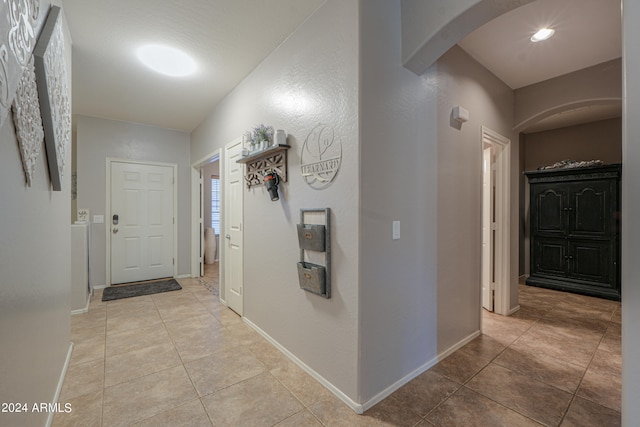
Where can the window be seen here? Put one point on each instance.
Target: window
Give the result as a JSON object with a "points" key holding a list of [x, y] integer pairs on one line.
{"points": [[215, 203]]}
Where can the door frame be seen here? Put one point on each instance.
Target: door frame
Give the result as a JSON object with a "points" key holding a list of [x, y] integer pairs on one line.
{"points": [[503, 220], [107, 226], [197, 237]]}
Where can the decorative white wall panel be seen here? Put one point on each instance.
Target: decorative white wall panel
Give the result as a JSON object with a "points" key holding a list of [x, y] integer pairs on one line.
{"points": [[53, 89], [17, 39], [27, 121]]}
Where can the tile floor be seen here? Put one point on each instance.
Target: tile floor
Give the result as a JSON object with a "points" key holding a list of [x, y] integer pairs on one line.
{"points": [[183, 359]]}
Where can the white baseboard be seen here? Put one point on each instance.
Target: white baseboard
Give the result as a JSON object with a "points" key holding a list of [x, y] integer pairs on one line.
{"points": [[513, 310], [86, 307], [358, 408], [395, 386], [100, 287], [448, 352], [184, 276], [63, 374]]}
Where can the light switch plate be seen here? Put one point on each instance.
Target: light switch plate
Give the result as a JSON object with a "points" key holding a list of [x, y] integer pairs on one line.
{"points": [[98, 219], [396, 230]]}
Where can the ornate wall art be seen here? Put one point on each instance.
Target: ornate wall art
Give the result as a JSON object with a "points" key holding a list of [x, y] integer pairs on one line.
{"points": [[27, 120], [53, 91], [18, 20], [321, 157]]}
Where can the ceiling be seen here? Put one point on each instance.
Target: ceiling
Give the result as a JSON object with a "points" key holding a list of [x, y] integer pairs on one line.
{"points": [[229, 38], [587, 32]]}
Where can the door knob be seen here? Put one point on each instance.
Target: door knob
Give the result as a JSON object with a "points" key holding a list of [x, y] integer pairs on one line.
{"points": [[115, 231], [228, 236]]}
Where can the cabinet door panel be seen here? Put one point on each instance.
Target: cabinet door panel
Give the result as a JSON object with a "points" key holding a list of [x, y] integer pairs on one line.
{"points": [[548, 209], [591, 261], [591, 209], [550, 257]]}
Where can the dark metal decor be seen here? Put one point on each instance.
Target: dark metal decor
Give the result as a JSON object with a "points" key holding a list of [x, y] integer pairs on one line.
{"points": [[315, 278]]}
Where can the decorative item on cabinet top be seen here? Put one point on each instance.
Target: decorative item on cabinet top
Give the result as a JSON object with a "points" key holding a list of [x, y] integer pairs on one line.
{"points": [[265, 157], [315, 239]]}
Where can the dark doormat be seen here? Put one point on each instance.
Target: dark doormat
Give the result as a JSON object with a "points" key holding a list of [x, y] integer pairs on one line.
{"points": [[148, 288]]}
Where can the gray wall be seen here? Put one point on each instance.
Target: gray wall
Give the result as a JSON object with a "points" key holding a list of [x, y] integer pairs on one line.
{"points": [[462, 81], [398, 179], [35, 289], [311, 78], [631, 211], [98, 139]]}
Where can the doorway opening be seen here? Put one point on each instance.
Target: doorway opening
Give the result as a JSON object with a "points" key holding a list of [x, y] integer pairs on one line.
{"points": [[211, 207], [496, 170]]}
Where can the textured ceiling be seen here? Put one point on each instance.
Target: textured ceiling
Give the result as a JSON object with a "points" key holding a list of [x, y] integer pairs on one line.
{"points": [[228, 39], [587, 32]]}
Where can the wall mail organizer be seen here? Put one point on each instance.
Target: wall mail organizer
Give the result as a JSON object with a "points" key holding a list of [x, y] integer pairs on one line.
{"points": [[315, 238], [263, 162]]}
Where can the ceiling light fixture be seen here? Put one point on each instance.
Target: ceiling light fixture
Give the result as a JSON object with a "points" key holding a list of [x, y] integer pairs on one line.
{"points": [[542, 34], [167, 60]]}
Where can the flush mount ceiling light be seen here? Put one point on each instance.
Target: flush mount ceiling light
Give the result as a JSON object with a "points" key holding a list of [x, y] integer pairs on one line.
{"points": [[167, 60], [542, 34]]}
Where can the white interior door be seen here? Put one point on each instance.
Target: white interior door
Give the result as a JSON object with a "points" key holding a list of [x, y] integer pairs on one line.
{"points": [[488, 259], [141, 222], [233, 217], [497, 229]]}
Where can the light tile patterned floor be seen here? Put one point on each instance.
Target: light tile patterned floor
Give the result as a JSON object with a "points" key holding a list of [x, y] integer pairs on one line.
{"points": [[182, 359]]}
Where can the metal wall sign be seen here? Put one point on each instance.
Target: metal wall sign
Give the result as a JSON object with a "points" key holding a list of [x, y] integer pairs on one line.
{"points": [[321, 157]]}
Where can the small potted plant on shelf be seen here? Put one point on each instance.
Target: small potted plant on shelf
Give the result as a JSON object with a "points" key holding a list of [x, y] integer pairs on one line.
{"points": [[262, 136]]}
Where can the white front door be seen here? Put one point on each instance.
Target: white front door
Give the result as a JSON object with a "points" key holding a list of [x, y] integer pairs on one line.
{"points": [[233, 210], [141, 220]]}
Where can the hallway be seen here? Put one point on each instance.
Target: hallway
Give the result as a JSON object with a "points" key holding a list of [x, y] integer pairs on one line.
{"points": [[182, 359]]}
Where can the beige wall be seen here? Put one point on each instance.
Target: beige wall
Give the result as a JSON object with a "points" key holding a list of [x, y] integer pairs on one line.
{"points": [[35, 267], [601, 140], [600, 84]]}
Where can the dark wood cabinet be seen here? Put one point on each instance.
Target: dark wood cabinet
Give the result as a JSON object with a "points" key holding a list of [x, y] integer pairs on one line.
{"points": [[575, 230]]}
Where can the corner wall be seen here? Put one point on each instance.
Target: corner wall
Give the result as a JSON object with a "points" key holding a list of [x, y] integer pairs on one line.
{"points": [[35, 279], [398, 182], [98, 139], [310, 79]]}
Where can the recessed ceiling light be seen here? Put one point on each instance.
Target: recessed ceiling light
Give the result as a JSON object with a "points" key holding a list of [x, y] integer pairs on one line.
{"points": [[167, 60], [542, 34]]}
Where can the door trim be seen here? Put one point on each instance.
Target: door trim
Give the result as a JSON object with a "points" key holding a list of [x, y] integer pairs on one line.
{"points": [[197, 239], [503, 220], [107, 210]]}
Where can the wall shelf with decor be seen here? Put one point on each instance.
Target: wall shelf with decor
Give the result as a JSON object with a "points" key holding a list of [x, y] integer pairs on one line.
{"points": [[265, 161]]}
